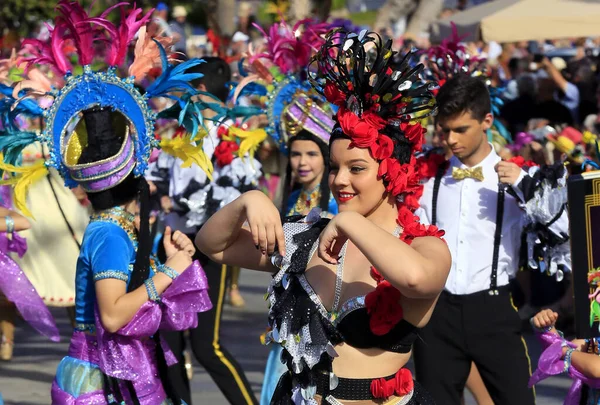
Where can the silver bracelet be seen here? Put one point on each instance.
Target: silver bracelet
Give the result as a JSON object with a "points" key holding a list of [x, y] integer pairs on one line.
{"points": [[10, 224], [169, 271]]}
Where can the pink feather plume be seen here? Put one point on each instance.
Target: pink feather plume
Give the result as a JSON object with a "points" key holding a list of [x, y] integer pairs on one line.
{"points": [[49, 52], [79, 29], [146, 52], [122, 36], [291, 49]]}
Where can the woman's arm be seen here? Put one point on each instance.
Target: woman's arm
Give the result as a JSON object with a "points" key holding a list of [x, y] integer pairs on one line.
{"points": [[225, 239], [21, 223], [587, 363], [418, 271], [117, 306]]}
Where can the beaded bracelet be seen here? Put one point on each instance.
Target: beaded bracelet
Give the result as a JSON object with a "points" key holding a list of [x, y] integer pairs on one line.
{"points": [[168, 271], [568, 355], [10, 224], [151, 290]]}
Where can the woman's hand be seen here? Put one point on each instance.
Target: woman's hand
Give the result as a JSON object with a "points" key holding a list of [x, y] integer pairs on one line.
{"points": [[544, 319], [177, 242], [264, 222], [332, 238], [179, 261]]}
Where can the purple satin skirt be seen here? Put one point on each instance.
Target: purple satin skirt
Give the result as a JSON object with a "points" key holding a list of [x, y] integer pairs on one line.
{"points": [[84, 349]]}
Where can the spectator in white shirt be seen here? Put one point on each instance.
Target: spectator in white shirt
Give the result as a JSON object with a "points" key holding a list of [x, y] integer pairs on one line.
{"points": [[474, 320]]}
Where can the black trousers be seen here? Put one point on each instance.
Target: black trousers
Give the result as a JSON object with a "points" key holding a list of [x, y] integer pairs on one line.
{"points": [[205, 343], [480, 328]]}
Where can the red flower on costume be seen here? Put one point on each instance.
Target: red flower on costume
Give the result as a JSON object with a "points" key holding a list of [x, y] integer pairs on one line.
{"points": [[414, 133], [224, 152], [412, 228], [520, 161], [334, 95], [222, 131], [375, 275], [428, 166], [383, 307], [382, 148], [402, 384], [380, 388], [360, 130]]}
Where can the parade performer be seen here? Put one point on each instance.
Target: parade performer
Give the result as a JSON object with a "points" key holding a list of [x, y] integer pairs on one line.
{"points": [[190, 199], [487, 204], [16, 291], [346, 331], [61, 215], [17, 294], [578, 358], [99, 129]]}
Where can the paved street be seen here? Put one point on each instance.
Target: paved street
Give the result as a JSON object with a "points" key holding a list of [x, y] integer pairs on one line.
{"points": [[26, 380]]}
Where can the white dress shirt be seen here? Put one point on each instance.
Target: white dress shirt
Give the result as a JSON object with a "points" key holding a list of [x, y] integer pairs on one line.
{"points": [[466, 210]]}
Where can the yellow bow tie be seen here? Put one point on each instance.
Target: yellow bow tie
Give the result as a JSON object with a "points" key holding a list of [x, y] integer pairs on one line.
{"points": [[461, 174]]}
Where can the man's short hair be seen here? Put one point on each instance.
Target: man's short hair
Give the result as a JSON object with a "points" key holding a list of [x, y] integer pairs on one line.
{"points": [[464, 93], [217, 74]]}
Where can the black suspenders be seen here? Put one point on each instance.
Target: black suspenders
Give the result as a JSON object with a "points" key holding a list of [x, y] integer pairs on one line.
{"points": [[499, 218]]}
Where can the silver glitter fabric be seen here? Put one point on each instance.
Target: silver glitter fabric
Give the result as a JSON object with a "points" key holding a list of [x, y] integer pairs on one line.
{"points": [[298, 320], [544, 252]]}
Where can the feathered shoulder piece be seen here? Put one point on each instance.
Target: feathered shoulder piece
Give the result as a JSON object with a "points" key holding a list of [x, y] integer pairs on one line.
{"points": [[379, 103]]}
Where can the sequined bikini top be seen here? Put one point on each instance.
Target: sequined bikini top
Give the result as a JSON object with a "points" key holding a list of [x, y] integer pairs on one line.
{"points": [[351, 318], [346, 322]]}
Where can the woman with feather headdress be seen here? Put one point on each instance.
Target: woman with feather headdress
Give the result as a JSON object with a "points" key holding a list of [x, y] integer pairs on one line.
{"points": [[99, 129], [345, 312]]}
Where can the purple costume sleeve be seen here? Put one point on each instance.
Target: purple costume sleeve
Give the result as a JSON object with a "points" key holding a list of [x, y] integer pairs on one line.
{"points": [[125, 354], [551, 364], [19, 290], [182, 301]]}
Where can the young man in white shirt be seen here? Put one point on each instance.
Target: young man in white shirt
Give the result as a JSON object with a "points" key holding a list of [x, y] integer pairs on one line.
{"points": [[474, 320]]}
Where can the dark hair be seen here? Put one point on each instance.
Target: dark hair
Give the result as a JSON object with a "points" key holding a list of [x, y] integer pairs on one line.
{"points": [[304, 135], [217, 74], [105, 136], [464, 93]]}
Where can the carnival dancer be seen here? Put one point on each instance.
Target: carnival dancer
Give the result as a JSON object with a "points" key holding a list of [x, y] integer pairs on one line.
{"points": [[486, 206], [100, 131], [579, 358], [347, 331], [192, 198], [17, 294]]}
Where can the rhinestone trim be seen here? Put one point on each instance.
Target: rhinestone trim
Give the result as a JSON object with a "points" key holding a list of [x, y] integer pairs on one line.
{"points": [[116, 274]]}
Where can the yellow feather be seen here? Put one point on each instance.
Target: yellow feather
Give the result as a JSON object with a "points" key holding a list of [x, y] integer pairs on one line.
{"points": [[188, 151], [250, 140], [21, 182]]}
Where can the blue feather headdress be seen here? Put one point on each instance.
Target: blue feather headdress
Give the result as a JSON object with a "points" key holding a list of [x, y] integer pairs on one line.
{"points": [[75, 32]]}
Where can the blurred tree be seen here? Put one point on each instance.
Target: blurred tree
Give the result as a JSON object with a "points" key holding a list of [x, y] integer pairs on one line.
{"points": [[24, 16]]}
